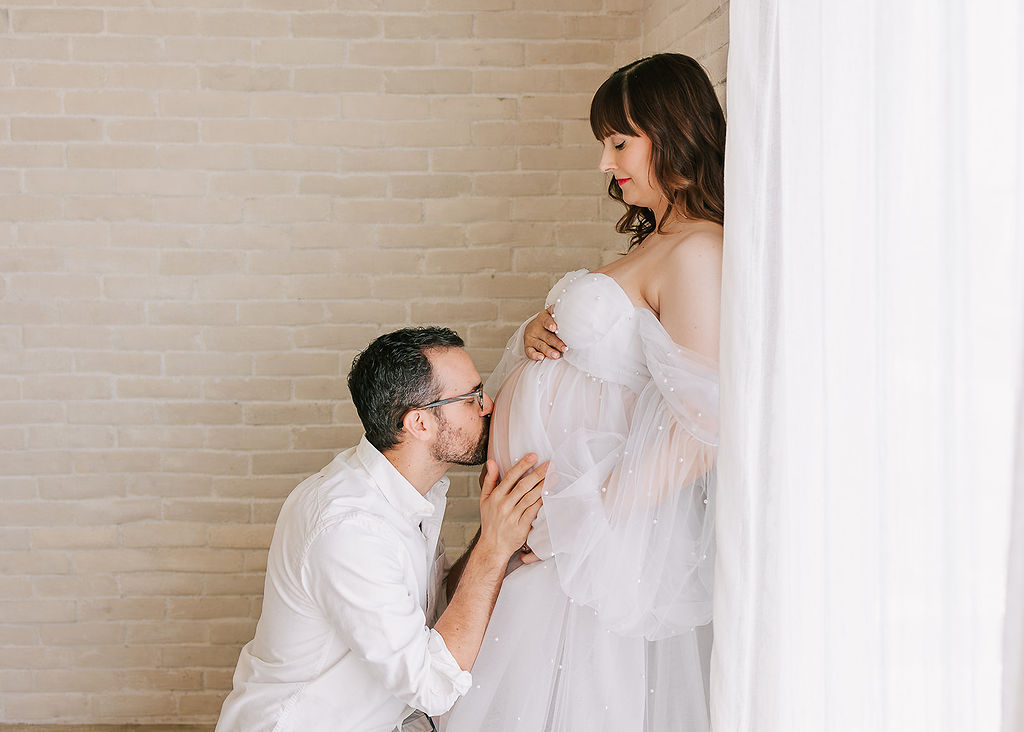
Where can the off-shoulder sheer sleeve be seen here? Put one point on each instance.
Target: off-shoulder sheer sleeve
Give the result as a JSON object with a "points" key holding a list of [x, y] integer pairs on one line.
{"points": [[630, 518]]}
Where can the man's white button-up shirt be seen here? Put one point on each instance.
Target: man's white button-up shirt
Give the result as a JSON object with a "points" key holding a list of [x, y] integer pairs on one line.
{"points": [[343, 643]]}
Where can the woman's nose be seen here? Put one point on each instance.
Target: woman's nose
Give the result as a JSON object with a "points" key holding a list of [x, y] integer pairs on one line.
{"points": [[607, 163]]}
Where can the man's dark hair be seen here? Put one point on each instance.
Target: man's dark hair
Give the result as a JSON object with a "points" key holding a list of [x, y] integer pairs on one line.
{"points": [[391, 376]]}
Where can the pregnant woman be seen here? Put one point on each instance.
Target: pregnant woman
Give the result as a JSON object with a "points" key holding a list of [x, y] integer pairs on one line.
{"points": [[610, 629]]}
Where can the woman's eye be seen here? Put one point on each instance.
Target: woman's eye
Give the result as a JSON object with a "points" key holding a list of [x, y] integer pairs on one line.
{"points": [[620, 145]]}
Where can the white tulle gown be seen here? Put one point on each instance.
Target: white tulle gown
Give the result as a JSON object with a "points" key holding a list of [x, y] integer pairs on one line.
{"points": [[612, 630]]}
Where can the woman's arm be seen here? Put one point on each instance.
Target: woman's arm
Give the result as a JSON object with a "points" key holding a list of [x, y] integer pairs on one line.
{"points": [[689, 292]]}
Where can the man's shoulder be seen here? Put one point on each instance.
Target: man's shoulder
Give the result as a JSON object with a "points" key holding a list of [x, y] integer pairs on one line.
{"points": [[342, 492]]}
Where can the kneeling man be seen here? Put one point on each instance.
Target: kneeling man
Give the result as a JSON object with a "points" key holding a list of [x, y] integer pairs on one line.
{"points": [[354, 571]]}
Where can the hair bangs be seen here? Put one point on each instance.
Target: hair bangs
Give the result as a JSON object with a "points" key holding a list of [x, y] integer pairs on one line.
{"points": [[608, 110]]}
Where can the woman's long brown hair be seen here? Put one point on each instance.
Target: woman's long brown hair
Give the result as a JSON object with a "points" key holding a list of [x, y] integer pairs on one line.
{"points": [[669, 98]]}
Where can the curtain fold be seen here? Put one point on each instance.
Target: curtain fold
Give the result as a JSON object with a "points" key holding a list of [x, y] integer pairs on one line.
{"points": [[1013, 652], [871, 366]]}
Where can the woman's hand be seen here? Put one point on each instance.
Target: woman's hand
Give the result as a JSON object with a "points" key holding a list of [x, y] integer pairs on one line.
{"points": [[539, 339], [526, 555]]}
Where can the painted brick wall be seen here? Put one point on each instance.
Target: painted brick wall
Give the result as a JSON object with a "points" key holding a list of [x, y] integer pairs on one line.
{"points": [[206, 208]]}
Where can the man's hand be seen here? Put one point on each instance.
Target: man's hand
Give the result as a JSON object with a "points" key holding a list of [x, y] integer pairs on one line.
{"points": [[506, 511], [507, 508], [539, 339]]}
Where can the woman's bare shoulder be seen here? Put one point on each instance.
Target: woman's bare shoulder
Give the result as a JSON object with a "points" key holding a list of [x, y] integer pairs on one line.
{"points": [[693, 252], [697, 235]]}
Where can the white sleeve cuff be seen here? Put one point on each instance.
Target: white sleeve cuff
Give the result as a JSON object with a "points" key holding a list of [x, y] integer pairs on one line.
{"points": [[446, 663], [450, 681]]}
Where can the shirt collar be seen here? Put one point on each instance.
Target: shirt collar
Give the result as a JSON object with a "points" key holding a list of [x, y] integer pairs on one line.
{"points": [[398, 491]]}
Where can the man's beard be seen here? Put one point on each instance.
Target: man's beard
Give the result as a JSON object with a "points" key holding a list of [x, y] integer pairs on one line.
{"points": [[446, 448]]}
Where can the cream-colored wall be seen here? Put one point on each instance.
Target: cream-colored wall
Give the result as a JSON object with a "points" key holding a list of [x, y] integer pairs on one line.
{"points": [[208, 206]]}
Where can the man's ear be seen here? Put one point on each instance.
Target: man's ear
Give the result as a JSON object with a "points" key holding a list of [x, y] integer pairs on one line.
{"points": [[417, 425]]}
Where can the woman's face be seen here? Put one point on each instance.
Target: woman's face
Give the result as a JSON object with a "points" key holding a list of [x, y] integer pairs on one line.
{"points": [[628, 158]]}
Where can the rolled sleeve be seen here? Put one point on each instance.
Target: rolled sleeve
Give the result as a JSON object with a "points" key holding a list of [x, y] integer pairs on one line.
{"points": [[458, 680], [359, 576]]}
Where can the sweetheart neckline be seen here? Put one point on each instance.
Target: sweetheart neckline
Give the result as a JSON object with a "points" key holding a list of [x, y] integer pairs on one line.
{"points": [[693, 355], [620, 288]]}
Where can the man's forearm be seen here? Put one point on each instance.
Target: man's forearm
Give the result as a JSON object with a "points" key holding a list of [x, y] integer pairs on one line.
{"points": [[463, 623], [507, 508], [455, 573]]}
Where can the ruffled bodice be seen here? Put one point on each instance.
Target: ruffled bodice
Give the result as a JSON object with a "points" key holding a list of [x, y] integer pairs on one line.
{"points": [[599, 323], [612, 339]]}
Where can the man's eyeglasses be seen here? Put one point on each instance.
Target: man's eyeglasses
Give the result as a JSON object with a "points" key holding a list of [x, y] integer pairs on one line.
{"points": [[477, 394]]}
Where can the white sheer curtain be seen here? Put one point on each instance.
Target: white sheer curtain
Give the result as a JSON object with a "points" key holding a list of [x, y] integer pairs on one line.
{"points": [[871, 368]]}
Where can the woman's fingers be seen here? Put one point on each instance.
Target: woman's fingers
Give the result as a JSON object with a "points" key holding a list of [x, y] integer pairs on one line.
{"points": [[556, 346], [539, 339], [545, 344], [528, 558], [547, 320]]}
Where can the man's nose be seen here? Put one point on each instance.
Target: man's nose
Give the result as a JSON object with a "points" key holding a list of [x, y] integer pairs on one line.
{"points": [[488, 404]]}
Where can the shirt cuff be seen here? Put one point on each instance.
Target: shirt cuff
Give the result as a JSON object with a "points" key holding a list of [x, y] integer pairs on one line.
{"points": [[444, 681], [446, 663]]}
